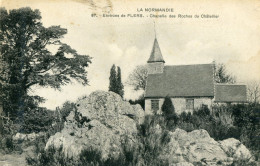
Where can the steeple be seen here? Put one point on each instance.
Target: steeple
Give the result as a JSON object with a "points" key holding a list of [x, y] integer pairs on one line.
{"points": [[156, 55], [155, 62]]}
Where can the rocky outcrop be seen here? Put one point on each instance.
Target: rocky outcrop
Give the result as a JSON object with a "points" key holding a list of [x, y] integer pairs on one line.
{"points": [[101, 121], [198, 146], [192, 146], [235, 149]]}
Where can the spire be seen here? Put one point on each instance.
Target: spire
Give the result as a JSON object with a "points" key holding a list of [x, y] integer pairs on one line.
{"points": [[156, 55]]}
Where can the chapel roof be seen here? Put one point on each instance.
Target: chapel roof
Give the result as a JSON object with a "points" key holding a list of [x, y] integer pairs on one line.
{"points": [[182, 81]]}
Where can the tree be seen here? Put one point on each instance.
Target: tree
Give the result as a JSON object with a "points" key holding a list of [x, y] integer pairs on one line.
{"points": [[120, 86], [167, 107], [253, 91], [113, 79], [32, 54], [221, 74], [137, 78]]}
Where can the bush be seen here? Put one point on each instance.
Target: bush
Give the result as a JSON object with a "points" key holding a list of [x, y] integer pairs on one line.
{"points": [[218, 123], [37, 120], [203, 111], [49, 157], [88, 157], [167, 107], [154, 137]]}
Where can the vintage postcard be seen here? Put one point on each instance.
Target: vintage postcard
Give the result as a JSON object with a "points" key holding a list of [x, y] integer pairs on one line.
{"points": [[138, 82]]}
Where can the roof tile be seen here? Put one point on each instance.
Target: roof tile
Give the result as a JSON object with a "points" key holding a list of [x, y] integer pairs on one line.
{"points": [[182, 81]]}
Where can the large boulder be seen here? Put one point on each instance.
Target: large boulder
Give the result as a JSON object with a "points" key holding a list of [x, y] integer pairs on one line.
{"points": [[235, 149], [192, 147], [198, 146], [100, 121]]}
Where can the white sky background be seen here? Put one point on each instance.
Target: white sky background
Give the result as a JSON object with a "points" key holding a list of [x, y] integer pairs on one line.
{"points": [[233, 38]]}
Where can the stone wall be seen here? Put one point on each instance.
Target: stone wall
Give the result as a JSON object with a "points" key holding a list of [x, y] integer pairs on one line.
{"points": [[179, 104]]}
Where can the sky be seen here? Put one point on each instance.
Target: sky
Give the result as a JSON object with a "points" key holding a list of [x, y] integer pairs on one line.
{"points": [[233, 38]]}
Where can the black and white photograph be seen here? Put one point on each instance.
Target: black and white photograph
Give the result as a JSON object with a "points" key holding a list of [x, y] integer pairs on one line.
{"points": [[129, 83]]}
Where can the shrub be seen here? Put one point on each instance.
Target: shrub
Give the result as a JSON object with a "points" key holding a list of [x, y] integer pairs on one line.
{"points": [[218, 123], [88, 157], [49, 157], [37, 120], [202, 111], [154, 137], [167, 107]]}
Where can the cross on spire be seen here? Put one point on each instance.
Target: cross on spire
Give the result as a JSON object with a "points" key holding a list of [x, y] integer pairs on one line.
{"points": [[154, 29]]}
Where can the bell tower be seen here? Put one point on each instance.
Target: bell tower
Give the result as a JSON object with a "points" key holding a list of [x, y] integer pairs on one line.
{"points": [[155, 62]]}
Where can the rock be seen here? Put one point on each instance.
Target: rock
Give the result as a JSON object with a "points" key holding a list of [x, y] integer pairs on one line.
{"points": [[198, 147], [234, 148], [103, 105], [101, 121], [20, 137], [192, 146]]}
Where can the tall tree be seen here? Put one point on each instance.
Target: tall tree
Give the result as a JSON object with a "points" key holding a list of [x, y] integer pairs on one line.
{"points": [[31, 54], [222, 75], [120, 86], [137, 78], [113, 79]]}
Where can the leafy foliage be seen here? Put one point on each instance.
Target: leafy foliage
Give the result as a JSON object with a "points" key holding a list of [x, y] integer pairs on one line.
{"points": [[37, 120], [32, 54], [221, 74], [137, 78]]}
